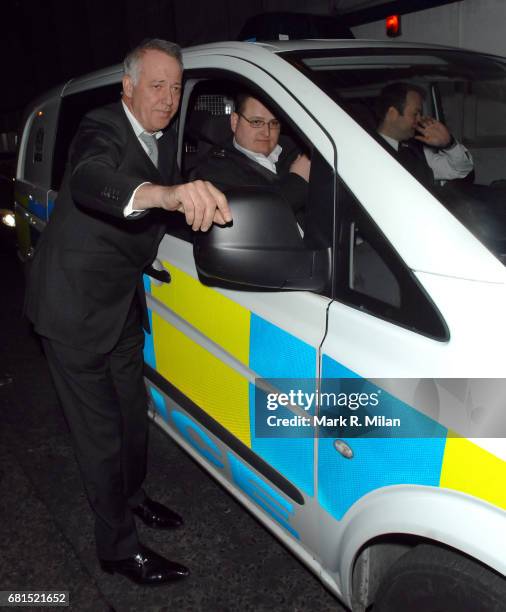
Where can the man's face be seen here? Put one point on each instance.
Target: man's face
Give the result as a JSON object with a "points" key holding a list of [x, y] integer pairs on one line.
{"points": [[260, 140], [154, 99], [405, 125]]}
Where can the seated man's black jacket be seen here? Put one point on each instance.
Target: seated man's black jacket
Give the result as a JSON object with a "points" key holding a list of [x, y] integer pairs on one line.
{"points": [[227, 167]]}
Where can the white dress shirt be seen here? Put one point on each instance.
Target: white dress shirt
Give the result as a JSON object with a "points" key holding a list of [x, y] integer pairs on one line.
{"points": [[446, 164], [267, 161]]}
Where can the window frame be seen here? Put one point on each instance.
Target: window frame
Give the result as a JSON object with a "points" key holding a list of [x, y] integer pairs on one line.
{"points": [[194, 76], [417, 311], [69, 120]]}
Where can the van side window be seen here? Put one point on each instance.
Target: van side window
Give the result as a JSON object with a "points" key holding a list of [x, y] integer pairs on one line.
{"points": [[72, 110], [38, 149], [37, 142], [207, 121], [206, 115], [371, 275], [207, 132]]}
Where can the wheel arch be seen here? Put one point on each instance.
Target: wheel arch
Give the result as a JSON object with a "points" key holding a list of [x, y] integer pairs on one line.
{"points": [[397, 518]]}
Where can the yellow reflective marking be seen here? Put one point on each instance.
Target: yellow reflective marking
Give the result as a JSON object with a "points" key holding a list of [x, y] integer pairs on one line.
{"points": [[214, 386], [216, 316], [471, 469]]}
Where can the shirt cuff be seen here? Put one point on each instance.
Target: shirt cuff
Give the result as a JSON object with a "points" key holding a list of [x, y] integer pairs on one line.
{"points": [[129, 211], [451, 144]]}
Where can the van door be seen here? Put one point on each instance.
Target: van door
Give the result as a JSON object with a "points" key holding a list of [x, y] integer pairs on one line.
{"points": [[208, 346], [386, 333], [33, 174], [48, 131]]}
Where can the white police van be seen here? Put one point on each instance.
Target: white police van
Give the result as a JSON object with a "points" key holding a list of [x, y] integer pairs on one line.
{"points": [[392, 304]]}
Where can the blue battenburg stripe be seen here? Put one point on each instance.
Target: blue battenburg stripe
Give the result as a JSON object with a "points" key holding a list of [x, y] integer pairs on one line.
{"points": [[38, 208], [149, 345], [274, 353], [377, 462], [159, 403]]}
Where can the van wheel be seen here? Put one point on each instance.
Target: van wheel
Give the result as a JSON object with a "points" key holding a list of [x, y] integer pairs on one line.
{"points": [[434, 579]]}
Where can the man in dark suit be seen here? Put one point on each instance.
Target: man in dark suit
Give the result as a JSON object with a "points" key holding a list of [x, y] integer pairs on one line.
{"points": [[86, 300], [423, 145], [256, 156]]}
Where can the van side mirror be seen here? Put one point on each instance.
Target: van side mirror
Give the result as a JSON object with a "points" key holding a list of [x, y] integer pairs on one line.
{"points": [[261, 249]]}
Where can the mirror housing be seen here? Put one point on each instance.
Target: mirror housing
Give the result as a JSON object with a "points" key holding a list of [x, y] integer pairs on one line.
{"points": [[261, 249]]}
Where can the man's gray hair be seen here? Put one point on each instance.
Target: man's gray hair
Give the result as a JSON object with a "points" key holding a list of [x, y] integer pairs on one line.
{"points": [[132, 60]]}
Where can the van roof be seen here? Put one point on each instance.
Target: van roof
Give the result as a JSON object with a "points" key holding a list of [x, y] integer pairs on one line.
{"points": [[258, 49], [280, 46]]}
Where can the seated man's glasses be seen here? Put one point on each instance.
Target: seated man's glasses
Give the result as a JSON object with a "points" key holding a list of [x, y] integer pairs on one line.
{"points": [[273, 124]]}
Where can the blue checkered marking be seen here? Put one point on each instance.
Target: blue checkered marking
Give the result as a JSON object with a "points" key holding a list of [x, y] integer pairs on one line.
{"points": [[377, 462], [275, 353]]}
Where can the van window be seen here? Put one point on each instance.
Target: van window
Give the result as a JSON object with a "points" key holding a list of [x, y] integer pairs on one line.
{"points": [[73, 108], [207, 130], [465, 91], [371, 276], [36, 150]]}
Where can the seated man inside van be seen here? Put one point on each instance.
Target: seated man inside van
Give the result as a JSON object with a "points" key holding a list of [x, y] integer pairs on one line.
{"points": [[424, 145], [257, 156]]}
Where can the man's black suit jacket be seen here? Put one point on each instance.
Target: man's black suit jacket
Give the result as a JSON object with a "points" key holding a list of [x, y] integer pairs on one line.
{"points": [[90, 258], [227, 167]]}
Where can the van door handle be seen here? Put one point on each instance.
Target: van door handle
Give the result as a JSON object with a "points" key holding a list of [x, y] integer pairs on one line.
{"points": [[343, 449]]}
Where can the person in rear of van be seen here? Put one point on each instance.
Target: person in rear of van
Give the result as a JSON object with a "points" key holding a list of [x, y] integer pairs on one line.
{"points": [[423, 145], [86, 299]]}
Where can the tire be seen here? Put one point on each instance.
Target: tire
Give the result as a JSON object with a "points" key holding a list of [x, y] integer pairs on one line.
{"points": [[434, 579]]}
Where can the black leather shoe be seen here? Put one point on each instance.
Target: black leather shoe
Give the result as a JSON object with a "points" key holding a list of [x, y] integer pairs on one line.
{"points": [[156, 515], [146, 567]]}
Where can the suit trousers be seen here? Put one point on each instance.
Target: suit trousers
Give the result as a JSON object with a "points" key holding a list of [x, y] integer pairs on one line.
{"points": [[104, 401]]}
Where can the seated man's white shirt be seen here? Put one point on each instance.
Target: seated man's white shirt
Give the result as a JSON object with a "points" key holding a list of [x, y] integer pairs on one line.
{"points": [[267, 161], [446, 164], [138, 129]]}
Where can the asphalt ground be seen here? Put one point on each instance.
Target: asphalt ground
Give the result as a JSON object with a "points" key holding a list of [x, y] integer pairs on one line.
{"points": [[46, 527]]}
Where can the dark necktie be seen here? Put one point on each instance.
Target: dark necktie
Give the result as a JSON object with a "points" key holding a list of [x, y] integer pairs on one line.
{"points": [[413, 159]]}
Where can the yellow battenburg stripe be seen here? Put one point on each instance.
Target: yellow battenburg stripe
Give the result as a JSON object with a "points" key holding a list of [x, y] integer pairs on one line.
{"points": [[471, 469], [214, 386], [216, 316]]}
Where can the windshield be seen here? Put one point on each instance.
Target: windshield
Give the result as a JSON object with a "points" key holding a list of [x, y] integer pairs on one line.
{"points": [[463, 163]]}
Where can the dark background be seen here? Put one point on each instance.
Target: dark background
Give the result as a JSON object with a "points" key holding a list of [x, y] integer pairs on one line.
{"points": [[46, 42]]}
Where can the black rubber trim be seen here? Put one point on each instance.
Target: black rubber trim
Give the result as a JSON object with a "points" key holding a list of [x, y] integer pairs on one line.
{"points": [[224, 435]]}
